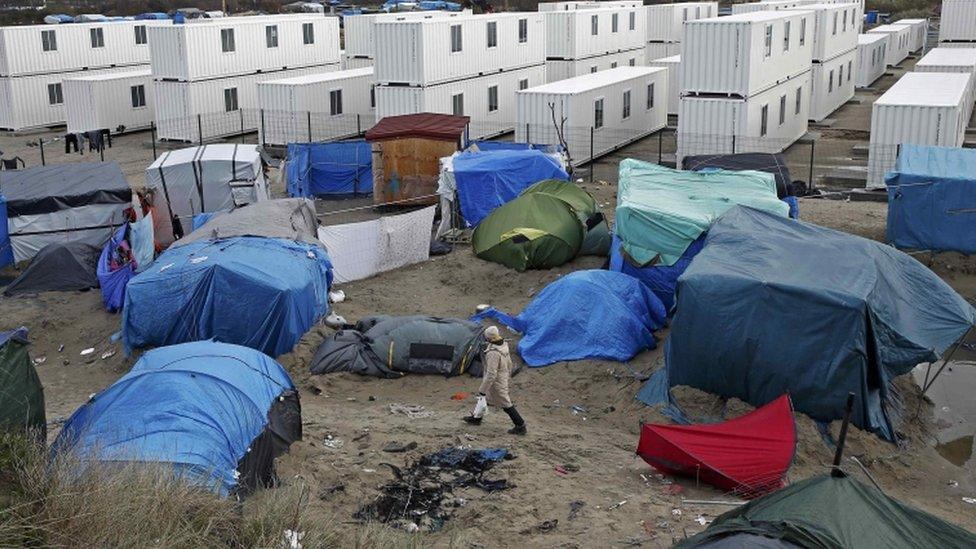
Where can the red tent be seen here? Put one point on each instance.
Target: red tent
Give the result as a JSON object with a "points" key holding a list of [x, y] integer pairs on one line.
{"points": [[748, 455]]}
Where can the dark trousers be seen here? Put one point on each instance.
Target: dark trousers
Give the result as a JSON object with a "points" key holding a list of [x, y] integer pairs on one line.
{"points": [[514, 415]]}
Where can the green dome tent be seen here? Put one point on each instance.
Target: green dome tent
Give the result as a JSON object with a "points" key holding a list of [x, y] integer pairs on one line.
{"points": [[21, 394], [549, 224]]}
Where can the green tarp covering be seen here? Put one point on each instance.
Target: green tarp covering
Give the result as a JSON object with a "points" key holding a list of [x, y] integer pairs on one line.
{"points": [[661, 211], [549, 224], [835, 512], [21, 395]]}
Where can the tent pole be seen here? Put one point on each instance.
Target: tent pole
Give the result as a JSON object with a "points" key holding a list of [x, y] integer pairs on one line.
{"points": [[945, 362], [848, 409]]}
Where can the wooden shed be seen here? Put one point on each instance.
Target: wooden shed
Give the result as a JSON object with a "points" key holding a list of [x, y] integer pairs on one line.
{"points": [[406, 155]]}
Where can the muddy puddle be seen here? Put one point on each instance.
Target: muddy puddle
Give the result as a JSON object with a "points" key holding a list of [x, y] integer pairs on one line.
{"points": [[955, 408]]}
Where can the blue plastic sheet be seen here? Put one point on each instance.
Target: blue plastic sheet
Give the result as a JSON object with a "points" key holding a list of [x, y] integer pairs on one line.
{"points": [[486, 180], [772, 305], [113, 283], [343, 169], [586, 315], [200, 219], [488, 146], [264, 293], [6, 250], [661, 279], [932, 199], [142, 239], [197, 406]]}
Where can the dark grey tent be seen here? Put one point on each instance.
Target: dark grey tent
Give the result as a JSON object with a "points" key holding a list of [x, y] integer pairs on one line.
{"points": [[59, 267], [288, 218], [391, 347], [760, 162]]}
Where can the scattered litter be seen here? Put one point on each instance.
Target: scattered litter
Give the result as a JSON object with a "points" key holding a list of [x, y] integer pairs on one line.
{"points": [[675, 512], [577, 409], [369, 470], [543, 527], [40, 360], [108, 354], [332, 442], [571, 467], [482, 308], [61, 347], [194, 261], [702, 521], [971, 501], [561, 471], [574, 509], [953, 484], [350, 399], [337, 296], [412, 411], [397, 448], [362, 435], [334, 321], [615, 505], [331, 490], [460, 396], [371, 398], [293, 539], [412, 527], [945, 408], [88, 351]]}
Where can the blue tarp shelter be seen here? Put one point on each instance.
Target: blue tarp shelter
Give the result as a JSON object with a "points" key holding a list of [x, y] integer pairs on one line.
{"points": [[486, 180], [488, 146], [661, 279], [335, 170], [264, 293], [932, 199], [113, 283], [218, 413], [6, 250], [773, 305], [586, 315]]}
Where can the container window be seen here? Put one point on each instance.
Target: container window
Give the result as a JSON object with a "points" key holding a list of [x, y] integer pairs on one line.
{"points": [[803, 31], [872, 57], [140, 31], [492, 98], [227, 40], [697, 12], [230, 99], [782, 110], [335, 102], [455, 38], [54, 94], [850, 70], [613, 65], [457, 104], [799, 100], [308, 34], [271, 36], [523, 31], [830, 82], [49, 40], [97, 37], [523, 84], [593, 69], [138, 94], [626, 110], [684, 14], [650, 96], [840, 75], [764, 119], [492, 34], [786, 36], [632, 62], [834, 31], [769, 40], [632, 20], [372, 96], [598, 114], [614, 19], [843, 27], [594, 25]]}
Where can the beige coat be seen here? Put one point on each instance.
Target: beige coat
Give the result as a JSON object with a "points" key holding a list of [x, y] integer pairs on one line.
{"points": [[498, 371]]}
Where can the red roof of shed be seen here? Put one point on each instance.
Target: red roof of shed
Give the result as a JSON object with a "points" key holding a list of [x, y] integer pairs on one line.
{"points": [[445, 127]]}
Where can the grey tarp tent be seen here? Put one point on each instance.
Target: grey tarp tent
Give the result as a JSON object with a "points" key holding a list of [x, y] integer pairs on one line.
{"points": [[63, 203], [59, 267], [393, 346], [288, 218], [773, 305]]}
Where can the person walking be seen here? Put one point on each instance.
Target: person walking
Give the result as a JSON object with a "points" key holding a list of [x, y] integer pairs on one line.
{"points": [[497, 364]]}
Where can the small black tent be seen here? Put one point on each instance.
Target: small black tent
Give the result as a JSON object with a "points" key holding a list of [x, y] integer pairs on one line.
{"points": [[21, 394], [59, 267], [760, 162]]}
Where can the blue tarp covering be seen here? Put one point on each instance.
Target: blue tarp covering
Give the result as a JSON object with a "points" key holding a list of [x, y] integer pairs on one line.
{"points": [[113, 283], [586, 314], [772, 305], [6, 250], [198, 406], [486, 180], [663, 279], [329, 169], [487, 146], [264, 293], [932, 199]]}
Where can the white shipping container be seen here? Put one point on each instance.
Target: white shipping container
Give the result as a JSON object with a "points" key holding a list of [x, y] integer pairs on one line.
{"points": [[832, 83], [745, 54], [561, 69], [358, 29], [657, 50], [922, 108], [665, 21], [769, 121], [899, 38], [349, 63], [568, 6], [834, 29], [870, 63], [231, 46], [919, 33], [958, 21], [40, 49], [316, 107], [952, 60], [439, 50], [612, 108], [586, 33], [491, 112], [776, 5], [673, 64], [187, 111], [110, 101], [28, 102]]}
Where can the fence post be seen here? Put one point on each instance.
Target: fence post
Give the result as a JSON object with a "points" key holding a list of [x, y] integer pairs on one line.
{"points": [[152, 129], [812, 143], [200, 127], [591, 154], [262, 128], [733, 143], [40, 143], [527, 140], [309, 115], [660, 148], [359, 127], [241, 112], [101, 150]]}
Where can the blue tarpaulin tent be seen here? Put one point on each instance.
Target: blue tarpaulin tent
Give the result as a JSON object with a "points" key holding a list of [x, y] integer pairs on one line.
{"points": [[932, 199], [113, 283], [342, 169], [486, 180], [586, 314], [6, 250], [772, 305], [218, 413], [661, 279], [264, 293]]}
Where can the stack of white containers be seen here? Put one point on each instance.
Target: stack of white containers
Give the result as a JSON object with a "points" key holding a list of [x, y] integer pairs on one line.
{"points": [[598, 112], [922, 108], [470, 65], [206, 72], [899, 40], [568, 6], [316, 107], [917, 35], [957, 24], [673, 64], [582, 41], [358, 33], [35, 59], [665, 24], [118, 101], [745, 83], [769, 5], [870, 64], [834, 36]]}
